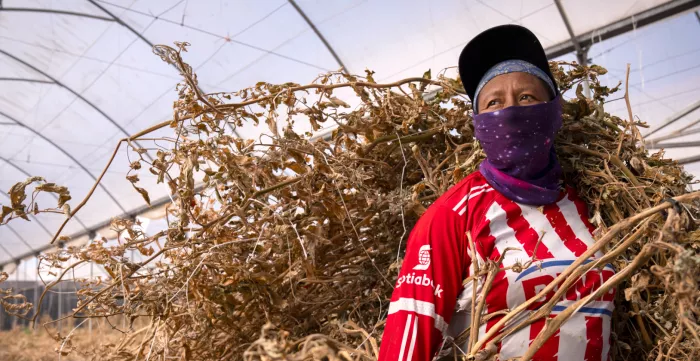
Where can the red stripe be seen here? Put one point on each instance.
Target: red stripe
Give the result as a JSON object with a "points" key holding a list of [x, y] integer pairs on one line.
{"points": [[527, 236], [550, 349], [594, 337], [582, 209], [485, 244], [564, 231], [479, 224]]}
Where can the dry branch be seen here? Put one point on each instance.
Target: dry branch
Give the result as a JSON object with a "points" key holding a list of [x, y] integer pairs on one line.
{"points": [[284, 248]]}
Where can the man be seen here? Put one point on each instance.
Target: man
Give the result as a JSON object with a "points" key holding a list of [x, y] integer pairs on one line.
{"points": [[516, 201]]}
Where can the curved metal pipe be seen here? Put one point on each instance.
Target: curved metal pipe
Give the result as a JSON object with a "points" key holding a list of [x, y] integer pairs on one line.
{"points": [[59, 12], [27, 174], [67, 154], [80, 96], [320, 36]]}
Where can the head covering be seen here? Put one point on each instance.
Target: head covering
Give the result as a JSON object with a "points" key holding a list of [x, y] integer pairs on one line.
{"points": [[519, 140], [519, 145], [513, 66], [498, 44]]}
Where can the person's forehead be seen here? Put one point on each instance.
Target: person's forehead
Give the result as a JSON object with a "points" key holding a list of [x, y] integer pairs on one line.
{"points": [[517, 79]]}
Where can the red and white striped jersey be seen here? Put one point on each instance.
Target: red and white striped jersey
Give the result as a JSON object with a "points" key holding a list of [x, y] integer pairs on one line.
{"points": [[430, 306]]}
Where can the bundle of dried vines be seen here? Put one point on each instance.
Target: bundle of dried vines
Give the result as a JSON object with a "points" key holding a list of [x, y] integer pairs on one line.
{"points": [[302, 238]]}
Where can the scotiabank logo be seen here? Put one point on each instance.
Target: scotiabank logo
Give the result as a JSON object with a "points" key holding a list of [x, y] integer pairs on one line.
{"points": [[422, 280], [423, 258]]}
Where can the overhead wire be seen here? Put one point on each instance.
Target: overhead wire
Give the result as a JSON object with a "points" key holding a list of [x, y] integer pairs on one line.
{"points": [[271, 52], [130, 67], [256, 60], [461, 44], [170, 89]]}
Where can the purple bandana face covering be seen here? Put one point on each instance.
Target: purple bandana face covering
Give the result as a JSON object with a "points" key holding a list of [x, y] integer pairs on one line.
{"points": [[519, 145]]}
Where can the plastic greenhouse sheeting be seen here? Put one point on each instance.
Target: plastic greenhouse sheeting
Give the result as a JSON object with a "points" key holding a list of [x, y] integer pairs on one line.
{"points": [[84, 76]]}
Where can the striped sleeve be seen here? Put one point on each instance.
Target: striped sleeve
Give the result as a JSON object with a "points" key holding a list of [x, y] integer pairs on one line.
{"points": [[427, 287]]}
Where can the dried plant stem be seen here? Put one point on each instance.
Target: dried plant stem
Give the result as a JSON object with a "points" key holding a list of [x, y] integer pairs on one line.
{"points": [[642, 327], [228, 107], [553, 325], [612, 232], [473, 331], [547, 308], [630, 120]]}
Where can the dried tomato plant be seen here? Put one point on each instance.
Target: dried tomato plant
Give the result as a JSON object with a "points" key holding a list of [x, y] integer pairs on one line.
{"points": [[286, 247]]}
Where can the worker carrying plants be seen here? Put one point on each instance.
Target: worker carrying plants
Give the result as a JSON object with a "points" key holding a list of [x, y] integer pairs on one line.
{"points": [[515, 207]]}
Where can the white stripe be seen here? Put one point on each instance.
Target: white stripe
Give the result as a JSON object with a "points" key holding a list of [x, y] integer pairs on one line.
{"points": [[460, 203], [515, 344], [539, 222], [572, 338], [405, 335], [573, 219], [465, 198], [471, 196], [421, 308], [606, 337], [504, 236], [413, 340]]}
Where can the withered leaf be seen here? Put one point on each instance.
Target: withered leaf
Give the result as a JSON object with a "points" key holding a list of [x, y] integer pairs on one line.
{"points": [[17, 192], [144, 194], [62, 191], [5, 212]]}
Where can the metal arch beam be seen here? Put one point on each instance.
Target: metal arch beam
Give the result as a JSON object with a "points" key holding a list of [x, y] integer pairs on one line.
{"points": [[120, 22], [20, 237], [26, 174], [673, 145], [689, 160], [8, 253], [675, 117], [68, 155], [59, 83], [59, 12], [622, 26], [27, 80], [580, 53], [320, 36]]}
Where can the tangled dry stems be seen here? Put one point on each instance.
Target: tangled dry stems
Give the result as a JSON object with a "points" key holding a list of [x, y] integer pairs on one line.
{"points": [[301, 238]]}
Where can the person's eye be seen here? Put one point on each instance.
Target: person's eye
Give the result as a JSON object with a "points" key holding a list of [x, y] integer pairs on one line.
{"points": [[527, 97], [492, 103]]}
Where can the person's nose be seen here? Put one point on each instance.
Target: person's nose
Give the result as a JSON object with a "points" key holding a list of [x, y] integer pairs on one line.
{"points": [[510, 101]]}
